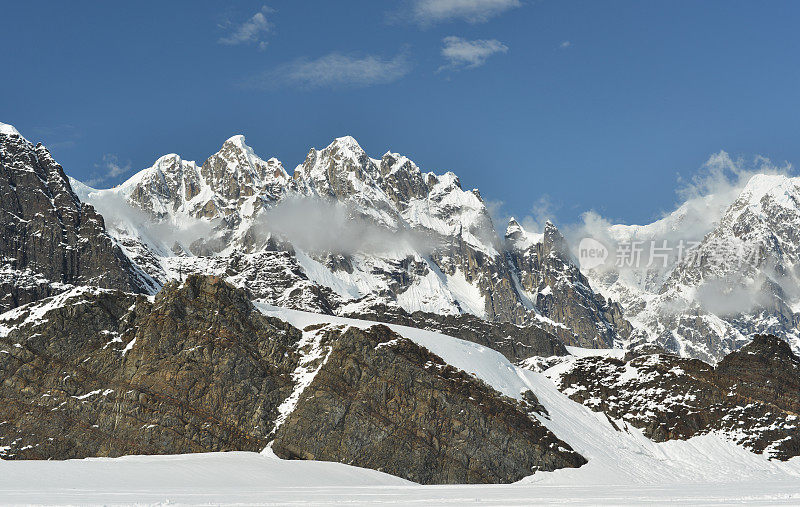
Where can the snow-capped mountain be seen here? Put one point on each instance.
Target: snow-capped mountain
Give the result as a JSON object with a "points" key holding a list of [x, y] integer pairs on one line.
{"points": [[740, 279], [346, 233], [231, 306]]}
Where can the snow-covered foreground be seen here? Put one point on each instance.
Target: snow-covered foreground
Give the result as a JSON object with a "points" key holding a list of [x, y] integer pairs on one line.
{"points": [[624, 466], [249, 478]]}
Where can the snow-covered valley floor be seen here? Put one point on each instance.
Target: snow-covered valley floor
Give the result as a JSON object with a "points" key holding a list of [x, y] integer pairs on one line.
{"points": [[624, 466], [248, 478]]}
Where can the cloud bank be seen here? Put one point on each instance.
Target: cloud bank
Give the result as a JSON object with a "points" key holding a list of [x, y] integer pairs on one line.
{"points": [[320, 225]]}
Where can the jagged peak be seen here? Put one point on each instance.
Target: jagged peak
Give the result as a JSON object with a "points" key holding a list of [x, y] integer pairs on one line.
{"points": [[166, 164], [760, 185], [519, 237], [513, 226], [551, 233], [779, 189], [237, 143], [165, 159], [348, 141], [554, 242], [244, 152], [449, 179], [393, 162], [347, 146]]}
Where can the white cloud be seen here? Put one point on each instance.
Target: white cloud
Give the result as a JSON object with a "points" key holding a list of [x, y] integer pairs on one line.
{"points": [[564, 45], [426, 12], [334, 70], [323, 225], [250, 31], [462, 53], [109, 169]]}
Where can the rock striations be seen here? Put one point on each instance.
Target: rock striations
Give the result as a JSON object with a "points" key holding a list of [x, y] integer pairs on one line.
{"points": [[96, 372], [49, 239]]}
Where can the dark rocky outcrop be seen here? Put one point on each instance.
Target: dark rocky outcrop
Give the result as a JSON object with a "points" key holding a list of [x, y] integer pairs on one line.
{"points": [[516, 342], [766, 369], [107, 373], [49, 240], [196, 368], [752, 397], [559, 291], [383, 402]]}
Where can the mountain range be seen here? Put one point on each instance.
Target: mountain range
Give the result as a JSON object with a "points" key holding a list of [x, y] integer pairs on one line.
{"points": [[361, 310]]}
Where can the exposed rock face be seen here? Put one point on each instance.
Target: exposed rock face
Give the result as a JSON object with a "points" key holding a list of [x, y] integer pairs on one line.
{"points": [[767, 369], [106, 373], [516, 342], [752, 397], [383, 402], [197, 368], [557, 289], [49, 240]]}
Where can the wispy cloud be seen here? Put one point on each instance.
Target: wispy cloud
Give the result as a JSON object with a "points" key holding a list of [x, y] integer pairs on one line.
{"points": [[108, 169], [564, 45], [251, 31], [427, 12], [334, 70], [468, 54]]}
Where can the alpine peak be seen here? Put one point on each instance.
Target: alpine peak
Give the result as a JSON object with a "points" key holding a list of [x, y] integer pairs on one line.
{"points": [[8, 130]]}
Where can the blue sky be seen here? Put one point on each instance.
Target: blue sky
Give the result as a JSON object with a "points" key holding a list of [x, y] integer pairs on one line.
{"points": [[582, 105]]}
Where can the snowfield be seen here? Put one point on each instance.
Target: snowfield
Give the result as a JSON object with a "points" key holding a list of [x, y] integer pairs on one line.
{"points": [[244, 478], [624, 466]]}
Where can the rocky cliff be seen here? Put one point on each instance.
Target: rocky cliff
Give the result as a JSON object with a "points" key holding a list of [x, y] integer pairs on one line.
{"points": [[49, 239], [96, 372]]}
